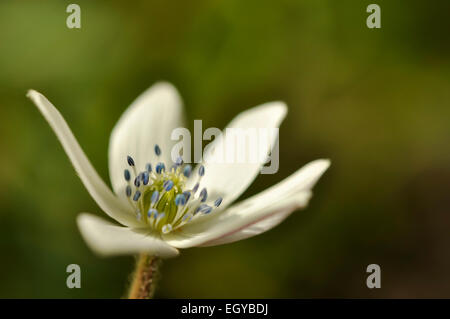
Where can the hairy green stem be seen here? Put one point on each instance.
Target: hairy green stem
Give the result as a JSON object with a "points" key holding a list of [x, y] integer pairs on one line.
{"points": [[144, 278]]}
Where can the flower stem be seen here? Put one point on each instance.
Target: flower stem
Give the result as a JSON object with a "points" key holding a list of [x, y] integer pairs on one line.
{"points": [[144, 277]]}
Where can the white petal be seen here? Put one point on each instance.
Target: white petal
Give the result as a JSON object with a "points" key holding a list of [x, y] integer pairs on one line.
{"points": [[260, 227], [229, 180], [149, 120], [254, 215], [107, 239], [110, 204]]}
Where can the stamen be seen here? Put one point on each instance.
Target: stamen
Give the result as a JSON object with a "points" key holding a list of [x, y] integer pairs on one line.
{"points": [[166, 228], [187, 195], [145, 178], [203, 208], [180, 200], [152, 213], [201, 170], [168, 185], [136, 196], [179, 161], [148, 167], [137, 181], [187, 170], [155, 197], [194, 190], [128, 190], [160, 167], [130, 161], [157, 150], [203, 195], [218, 202], [207, 210], [126, 174]]}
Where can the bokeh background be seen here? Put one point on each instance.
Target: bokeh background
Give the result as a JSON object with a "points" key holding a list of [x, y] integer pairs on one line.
{"points": [[374, 101]]}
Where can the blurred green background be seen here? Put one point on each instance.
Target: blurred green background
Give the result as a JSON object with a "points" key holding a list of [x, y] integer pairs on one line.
{"points": [[374, 101]]}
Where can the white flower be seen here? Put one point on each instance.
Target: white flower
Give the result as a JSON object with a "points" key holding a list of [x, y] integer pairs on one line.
{"points": [[164, 209]]}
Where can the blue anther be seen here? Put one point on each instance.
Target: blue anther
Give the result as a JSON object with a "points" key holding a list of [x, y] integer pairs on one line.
{"points": [[160, 167], [180, 200], [199, 208], [187, 195], [195, 189], [203, 195], [126, 174], [179, 161], [157, 150], [207, 210], [145, 178], [130, 161], [203, 208], [155, 197], [168, 185], [128, 191], [218, 201], [187, 170], [152, 212], [201, 170], [136, 196], [148, 167], [137, 181]]}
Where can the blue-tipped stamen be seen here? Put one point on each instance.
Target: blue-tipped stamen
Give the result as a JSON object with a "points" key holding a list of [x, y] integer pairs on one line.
{"points": [[155, 197], [201, 170], [130, 161], [218, 201], [128, 190], [152, 213], [187, 170], [202, 208], [137, 181], [160, 167], [203, 195], [166, 228], [168, 185], [157, 150], [195, 189], [180, 200], [148, 167], [127, 175], [136, 196], [186, 217], [179, 161], [187, 195], [206, 210], [145, 178]]}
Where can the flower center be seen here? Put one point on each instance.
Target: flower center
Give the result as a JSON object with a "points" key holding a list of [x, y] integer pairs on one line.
{"points": [[159, 196]]}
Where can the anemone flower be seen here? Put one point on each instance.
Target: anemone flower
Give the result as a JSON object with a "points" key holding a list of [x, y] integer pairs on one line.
{"points": [[162, 205]]}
